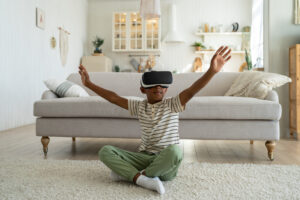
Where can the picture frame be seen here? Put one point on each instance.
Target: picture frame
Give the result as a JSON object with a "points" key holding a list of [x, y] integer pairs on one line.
{"points": [[40, 18]]}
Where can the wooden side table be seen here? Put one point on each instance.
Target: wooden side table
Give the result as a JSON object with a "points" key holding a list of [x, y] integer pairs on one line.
{"points": [[294, 73]]}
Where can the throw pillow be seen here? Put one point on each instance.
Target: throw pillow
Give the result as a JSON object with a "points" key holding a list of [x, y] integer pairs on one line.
{"points": [[65, 88], [256, 84]]}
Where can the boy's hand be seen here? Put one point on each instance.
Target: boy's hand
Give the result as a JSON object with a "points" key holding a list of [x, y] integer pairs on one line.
{"points": [[106, 94], [84, 75], [221, 56], [219, 59]]}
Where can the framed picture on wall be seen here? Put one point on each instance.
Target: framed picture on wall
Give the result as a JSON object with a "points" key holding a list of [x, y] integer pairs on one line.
{"points": [[40, 18]]}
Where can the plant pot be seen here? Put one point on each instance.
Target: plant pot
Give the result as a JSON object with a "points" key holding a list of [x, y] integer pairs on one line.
{"points": [[97, 50], [97, 54], [198, 48]]}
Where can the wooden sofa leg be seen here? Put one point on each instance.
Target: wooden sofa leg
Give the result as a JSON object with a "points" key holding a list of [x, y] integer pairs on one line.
{"points": [[270, 147], [251, 141], [291, 135], [73, 139], [45, 141]]}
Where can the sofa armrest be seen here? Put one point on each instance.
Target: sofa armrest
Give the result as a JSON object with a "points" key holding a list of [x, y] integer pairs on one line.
{"points": [[48, 94], [272, 96]]}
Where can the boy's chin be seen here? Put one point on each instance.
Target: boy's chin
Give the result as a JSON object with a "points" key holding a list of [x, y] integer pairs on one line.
{"points": [[157, 98]]}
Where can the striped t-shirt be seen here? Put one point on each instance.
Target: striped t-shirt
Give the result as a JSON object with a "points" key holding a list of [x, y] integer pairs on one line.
{"points": [[158, 122]]}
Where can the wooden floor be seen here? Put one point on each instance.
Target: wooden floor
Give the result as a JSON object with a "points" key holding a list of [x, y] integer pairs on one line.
{"points": [[23, 143]]}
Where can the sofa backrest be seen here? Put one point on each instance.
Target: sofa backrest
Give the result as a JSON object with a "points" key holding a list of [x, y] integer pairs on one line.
{"points": [[128, 84]]}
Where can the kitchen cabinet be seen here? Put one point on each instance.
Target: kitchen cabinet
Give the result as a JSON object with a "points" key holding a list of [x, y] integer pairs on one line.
{"points": [[131, 33]]}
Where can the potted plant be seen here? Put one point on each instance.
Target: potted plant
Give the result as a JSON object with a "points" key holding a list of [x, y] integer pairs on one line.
{"points": [[198, 46], [97, 44], [117, 68]]}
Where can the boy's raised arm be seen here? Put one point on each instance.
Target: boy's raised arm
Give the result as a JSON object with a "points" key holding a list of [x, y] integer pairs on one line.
{"points": [[221, 56], [106, 94]]}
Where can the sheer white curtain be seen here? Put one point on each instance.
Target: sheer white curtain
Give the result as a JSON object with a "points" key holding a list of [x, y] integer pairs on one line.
{"points": [[257, 33], [297, 11]]}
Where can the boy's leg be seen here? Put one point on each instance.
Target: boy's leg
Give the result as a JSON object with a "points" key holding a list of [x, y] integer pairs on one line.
{"points": [[170, 175], [166, 164], [125, 163]]}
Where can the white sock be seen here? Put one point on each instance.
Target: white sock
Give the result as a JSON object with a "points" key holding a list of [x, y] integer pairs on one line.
{"points": [[115, 177], [151, 183]]}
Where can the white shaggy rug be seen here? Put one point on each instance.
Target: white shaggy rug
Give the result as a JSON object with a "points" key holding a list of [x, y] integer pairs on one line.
{"points": [[65, 179]]}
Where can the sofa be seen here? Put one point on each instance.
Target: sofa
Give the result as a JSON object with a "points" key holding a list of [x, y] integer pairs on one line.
{"points": [[209, 115]]}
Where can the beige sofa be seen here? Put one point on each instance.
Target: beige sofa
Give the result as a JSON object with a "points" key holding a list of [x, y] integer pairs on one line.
{"points": [[208, 116]]}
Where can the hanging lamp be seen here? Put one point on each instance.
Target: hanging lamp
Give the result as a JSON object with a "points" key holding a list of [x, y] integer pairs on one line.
{"points": [[150, 9]]}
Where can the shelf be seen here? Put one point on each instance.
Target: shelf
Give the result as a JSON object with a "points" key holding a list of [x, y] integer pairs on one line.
{"points": [[137, 51], [212, 52], [221, 33]]}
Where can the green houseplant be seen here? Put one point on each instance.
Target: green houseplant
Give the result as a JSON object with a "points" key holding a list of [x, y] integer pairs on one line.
{"points": [[248, 60], [97, 44], [198, 46], [117, 68]]}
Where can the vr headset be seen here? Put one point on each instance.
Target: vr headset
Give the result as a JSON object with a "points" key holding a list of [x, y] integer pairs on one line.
{"points": [[155, 78]]}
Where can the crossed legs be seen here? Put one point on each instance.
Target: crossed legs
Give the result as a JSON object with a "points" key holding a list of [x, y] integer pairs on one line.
{"points": [[129, 164]]}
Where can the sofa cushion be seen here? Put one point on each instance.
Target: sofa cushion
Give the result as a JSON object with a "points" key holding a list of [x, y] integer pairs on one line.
{"points": [[256, 84], [211, 107], [225, 107], [64, 88]]}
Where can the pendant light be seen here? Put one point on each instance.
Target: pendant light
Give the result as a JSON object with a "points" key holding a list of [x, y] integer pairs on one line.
{"points": [[150, 9]]}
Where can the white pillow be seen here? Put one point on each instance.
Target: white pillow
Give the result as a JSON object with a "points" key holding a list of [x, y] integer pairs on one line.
{"points": [[256, 84], [63, 88]]}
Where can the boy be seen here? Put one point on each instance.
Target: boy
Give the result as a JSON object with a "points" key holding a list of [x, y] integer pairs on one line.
{"points": [[159, 156]]}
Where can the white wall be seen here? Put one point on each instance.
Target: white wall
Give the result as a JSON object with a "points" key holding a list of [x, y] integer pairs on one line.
{"points": [[190, 14], [282, 34], [26, 56]]}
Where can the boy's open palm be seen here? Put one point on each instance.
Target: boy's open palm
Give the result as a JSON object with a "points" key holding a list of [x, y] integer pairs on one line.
{"points": [[84, 75], [221, 56], [104, 93]]}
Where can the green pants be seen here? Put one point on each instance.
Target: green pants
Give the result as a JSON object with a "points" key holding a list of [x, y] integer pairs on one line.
{"points": [[127, 164]]}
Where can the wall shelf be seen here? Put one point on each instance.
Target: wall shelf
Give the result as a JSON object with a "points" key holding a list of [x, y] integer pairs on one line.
{"points": [[233, 35], [237, 41], [212, 52], [220, 33], [138, 51]]}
